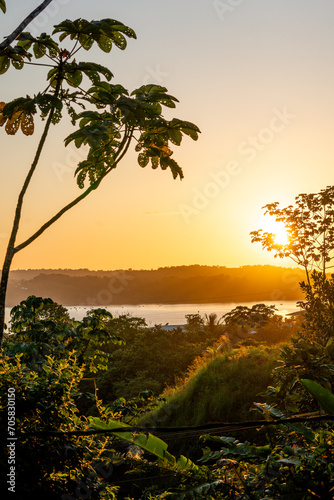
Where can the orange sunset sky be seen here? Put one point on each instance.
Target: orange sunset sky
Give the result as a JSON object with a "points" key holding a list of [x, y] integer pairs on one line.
{"points": [[256, 76]]}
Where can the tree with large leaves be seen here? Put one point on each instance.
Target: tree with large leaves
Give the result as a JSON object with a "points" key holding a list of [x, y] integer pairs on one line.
{"points": [[108, 118], [310, 229]]}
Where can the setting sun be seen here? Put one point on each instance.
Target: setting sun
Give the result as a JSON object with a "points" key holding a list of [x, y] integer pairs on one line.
{"points": [[270, 225], [281, 236]]}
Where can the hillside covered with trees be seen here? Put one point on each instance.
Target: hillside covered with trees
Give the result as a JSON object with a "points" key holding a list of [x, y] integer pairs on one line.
{"points": [[183, 284]]}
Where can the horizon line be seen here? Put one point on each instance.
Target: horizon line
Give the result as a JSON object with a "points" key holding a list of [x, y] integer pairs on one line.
{"points": [[151, 269]]}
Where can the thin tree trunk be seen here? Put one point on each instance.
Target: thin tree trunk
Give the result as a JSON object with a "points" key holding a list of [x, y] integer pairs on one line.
{"points": [[12, 249], [9, 39], [16, 223]]}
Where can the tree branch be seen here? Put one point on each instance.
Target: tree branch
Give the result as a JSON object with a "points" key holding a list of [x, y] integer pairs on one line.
{"points": [[92, 187], [41, 230], [17, 217], [5, 44]]}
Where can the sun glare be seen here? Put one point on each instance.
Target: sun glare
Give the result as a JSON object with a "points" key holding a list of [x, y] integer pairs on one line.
{"points": [[278, 229], [281, 236]]}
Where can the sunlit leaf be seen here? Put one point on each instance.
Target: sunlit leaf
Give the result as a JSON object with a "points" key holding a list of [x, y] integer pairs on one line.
{"points": [[155, 162], [147, 442], [143, 159], [27, 123], [175, 136], [86, 41], [166, 151], [13, 124], [25, 40], [4, 64]]}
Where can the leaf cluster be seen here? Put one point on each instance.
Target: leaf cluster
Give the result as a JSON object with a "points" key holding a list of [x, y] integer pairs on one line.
{"points": [[40, 332], [290, 469], [111, 117], [255, 316], [105, 33]]}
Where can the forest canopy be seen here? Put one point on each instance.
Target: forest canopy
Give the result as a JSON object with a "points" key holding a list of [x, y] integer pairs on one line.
{"points": [[183, 284]]}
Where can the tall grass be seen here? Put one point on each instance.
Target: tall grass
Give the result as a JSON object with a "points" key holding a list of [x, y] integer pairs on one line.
{"points": [[222, 389]]}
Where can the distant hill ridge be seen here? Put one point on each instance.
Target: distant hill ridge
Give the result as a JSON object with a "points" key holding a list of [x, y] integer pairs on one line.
{"points": [[179, 284]]}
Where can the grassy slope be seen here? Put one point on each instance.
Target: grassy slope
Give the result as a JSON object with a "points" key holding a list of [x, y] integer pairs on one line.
{"points": [[223, 389]]}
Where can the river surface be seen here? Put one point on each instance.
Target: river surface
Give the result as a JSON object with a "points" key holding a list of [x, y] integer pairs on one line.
{"points": [[174, 314]]}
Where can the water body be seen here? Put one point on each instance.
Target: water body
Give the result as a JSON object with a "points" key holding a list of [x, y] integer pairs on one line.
{"points": [[174, 314]]}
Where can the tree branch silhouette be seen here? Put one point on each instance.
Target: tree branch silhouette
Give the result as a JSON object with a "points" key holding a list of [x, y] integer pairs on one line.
{"points": [[9, 39]]}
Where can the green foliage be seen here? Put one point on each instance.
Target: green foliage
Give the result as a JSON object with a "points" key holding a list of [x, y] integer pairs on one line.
{"points": [[107, 132], [148, 442], [255, 316], [302, 359], [276, 331], [223, 389], [318, 308], [311, 353], [3, 5], [140, 111], [15, 56], [41, 332], [152, 359], [44, 362], [109, 118], [42, 46], [289, 469], [254, 325], [105, 33], [324, 397]]}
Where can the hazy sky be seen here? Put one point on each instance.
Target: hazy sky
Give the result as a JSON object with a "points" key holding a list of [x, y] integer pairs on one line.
{"points": [[256, 76]]}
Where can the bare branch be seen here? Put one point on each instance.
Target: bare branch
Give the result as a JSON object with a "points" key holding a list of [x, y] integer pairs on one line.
{"points": [[5, 44]]}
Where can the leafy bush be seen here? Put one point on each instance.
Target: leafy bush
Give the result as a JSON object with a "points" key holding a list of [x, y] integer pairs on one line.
{"points": [[43, 362], [152, 359]]}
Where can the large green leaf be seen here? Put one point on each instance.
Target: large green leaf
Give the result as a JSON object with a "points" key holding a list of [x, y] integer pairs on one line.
{"points": [[4, 64], [39, 50], [147, 442], [92, 70], [143, 159], [322, 395], [175, 136], [184, 463], [74, 78]]}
